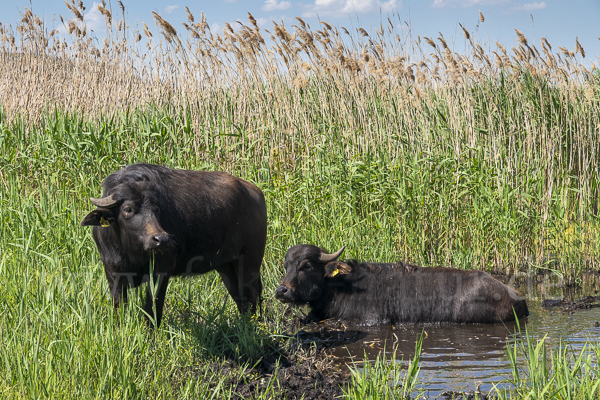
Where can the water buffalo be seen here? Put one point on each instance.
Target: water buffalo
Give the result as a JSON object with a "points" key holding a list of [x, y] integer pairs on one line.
{"points": [[376, 293], [179, 222]]}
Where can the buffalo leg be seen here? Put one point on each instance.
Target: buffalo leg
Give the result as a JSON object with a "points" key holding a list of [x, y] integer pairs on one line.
{"points": [[159, 290], [230, 280], [242, 280], [250, 284], [118, 288]]}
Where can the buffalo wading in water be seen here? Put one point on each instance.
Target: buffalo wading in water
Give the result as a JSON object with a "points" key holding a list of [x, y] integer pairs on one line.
{"points": [[179, 222], [377, 293]]}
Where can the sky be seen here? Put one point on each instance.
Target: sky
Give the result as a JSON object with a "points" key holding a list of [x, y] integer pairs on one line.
{"points": [[559, 21]]}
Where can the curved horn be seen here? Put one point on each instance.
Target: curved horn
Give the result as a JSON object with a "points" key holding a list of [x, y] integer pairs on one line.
{"points": [[330, 257], [108, 201]]}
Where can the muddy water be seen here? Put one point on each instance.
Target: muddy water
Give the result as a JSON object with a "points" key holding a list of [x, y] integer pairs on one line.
{"points": [[456, 357]]}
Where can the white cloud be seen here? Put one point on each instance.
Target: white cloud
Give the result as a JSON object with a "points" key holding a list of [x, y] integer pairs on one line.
{"points": [[531, 6], [170, 9], [466, 3], [94, 20], [267, 22], [263, 21], [389, 6], [271, 5], [344, 7]]}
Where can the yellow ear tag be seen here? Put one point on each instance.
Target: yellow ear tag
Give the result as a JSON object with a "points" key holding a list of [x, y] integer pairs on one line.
{"points": [[335, 272], [104, 222]]}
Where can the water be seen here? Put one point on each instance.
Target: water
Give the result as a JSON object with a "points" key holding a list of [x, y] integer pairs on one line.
{"points": [[456, 357]]}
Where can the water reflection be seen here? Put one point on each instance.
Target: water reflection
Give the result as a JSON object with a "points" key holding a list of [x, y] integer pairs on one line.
{"points": [[453, 357]]}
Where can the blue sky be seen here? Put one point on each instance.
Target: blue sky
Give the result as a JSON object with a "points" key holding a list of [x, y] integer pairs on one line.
{"points": [[560, 21]]}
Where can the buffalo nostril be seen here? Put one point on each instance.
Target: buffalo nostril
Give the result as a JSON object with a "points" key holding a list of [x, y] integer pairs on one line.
{"points": [[282, 290], [161, 239]]}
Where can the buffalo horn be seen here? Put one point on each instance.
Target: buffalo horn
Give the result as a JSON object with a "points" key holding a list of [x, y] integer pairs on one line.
{"points": [[330, 257], [104, 202]]}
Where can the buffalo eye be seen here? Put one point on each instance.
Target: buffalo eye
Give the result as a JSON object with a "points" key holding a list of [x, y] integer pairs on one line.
{"points": [[304, 265], [128, 211]]}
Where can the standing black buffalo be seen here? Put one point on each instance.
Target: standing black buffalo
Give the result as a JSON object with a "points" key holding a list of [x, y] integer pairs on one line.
{"points": [[183, 223], [374, 293]]}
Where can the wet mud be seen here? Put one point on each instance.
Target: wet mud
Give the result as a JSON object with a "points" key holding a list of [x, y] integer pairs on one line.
{"points": [[296, 368], [307, 380], [474, 395], [300, 370], [584, 303]]}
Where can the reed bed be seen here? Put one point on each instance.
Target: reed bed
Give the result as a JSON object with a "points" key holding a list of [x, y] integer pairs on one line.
{"points": [[490, 158]]}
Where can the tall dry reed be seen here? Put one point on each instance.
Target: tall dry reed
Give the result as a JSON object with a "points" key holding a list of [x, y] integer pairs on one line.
{"points": [[529, 115]]}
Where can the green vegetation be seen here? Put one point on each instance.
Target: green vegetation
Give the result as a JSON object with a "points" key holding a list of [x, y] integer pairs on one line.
{"points": [[456, 161], [561, 373], [373, 381]]}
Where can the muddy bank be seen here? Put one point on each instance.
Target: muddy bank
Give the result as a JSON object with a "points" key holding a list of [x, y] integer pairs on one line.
{"points": [[554, 292], [293, 366], [475, 395], [306, 369], [293, 372], [307, 380], [584, 303]]}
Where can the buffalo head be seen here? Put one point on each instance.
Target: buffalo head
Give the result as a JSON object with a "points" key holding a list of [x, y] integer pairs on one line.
{"points": [[307, 269], [132, 211]]}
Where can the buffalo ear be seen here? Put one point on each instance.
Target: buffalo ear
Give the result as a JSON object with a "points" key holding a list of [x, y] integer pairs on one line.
{"points": [[99, 217], [337, 268]]}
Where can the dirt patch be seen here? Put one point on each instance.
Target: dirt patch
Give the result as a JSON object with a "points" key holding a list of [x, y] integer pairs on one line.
{"points": [[296, 368], [325, 336], [476, 395], [306, 380], [293, 374], [306, 370]]}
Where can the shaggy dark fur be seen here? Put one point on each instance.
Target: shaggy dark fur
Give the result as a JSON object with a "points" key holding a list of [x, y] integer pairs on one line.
{"points": [[375, 293], [188, 222]]}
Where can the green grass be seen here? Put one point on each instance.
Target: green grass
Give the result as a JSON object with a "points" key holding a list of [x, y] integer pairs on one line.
{"points": [[383, 379], [560, 372], [449, 203]]}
